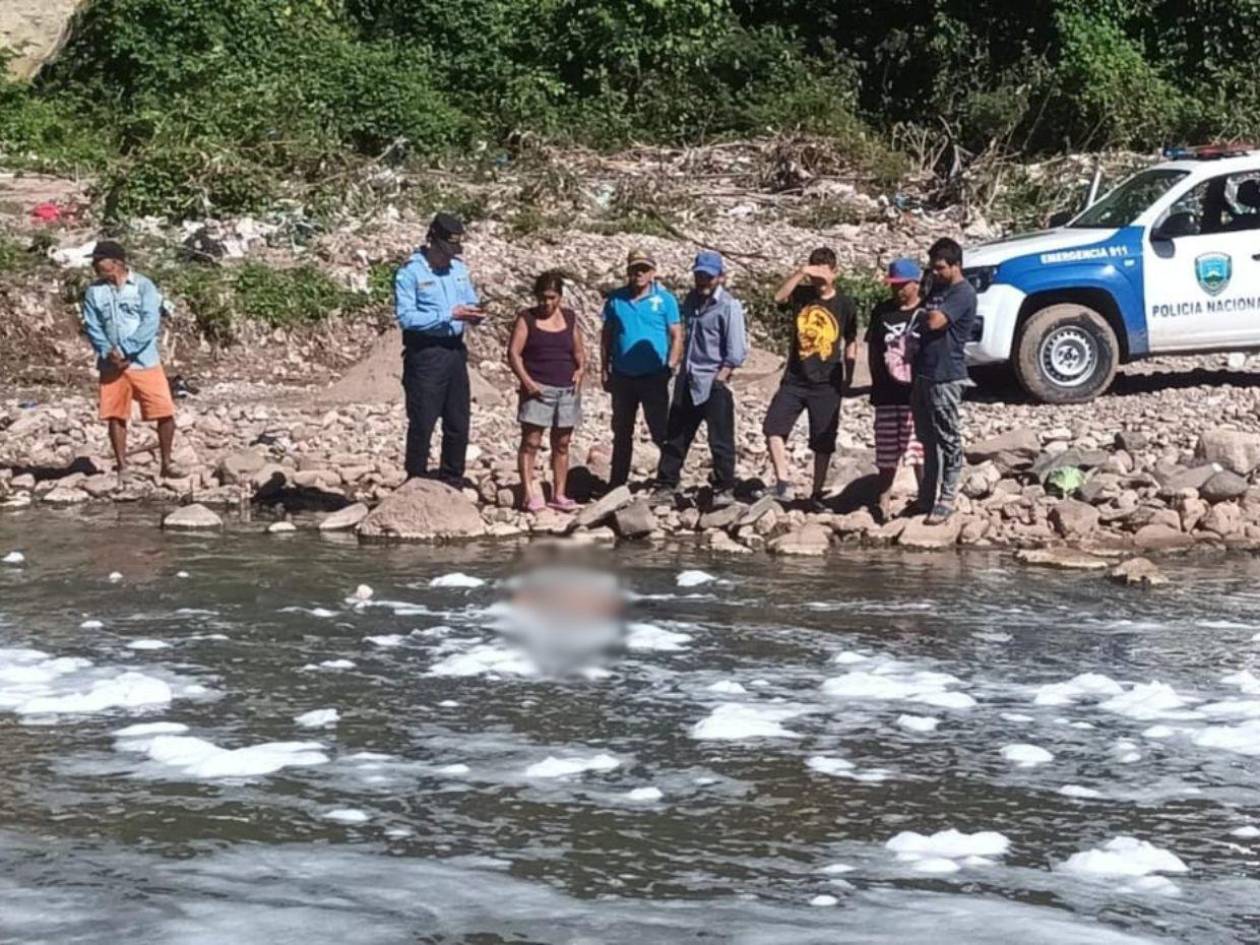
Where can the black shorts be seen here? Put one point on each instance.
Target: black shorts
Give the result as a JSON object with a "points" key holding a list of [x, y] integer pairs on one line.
{"points": [[823, 404]]}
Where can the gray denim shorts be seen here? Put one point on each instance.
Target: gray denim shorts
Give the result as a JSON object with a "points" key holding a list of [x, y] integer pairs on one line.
{"points": [[556, 407]]}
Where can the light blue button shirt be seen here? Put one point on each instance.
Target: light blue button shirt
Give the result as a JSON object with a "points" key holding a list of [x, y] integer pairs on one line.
{"points": [[125, 317], [717, 337], [424, 299]]}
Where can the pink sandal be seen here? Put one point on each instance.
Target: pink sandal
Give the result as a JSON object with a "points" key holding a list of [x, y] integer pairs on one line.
{"points": [[535, 503], [563, 503]]}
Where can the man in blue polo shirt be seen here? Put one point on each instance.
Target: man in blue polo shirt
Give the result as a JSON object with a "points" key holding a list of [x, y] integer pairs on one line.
{"points": [[642, 344], [434, 300]]}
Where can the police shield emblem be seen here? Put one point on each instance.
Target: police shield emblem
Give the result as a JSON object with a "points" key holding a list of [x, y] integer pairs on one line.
{"points": [[1214, 271]]}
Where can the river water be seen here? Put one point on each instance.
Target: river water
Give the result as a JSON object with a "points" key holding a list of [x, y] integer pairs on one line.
{"points": [[210, 739]]}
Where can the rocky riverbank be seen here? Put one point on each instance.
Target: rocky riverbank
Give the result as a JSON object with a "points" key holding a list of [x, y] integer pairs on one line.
{"points": [[1169, 461]]}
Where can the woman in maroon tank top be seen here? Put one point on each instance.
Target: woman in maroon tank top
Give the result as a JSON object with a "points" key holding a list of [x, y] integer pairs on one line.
{"points": [[547, 357]]}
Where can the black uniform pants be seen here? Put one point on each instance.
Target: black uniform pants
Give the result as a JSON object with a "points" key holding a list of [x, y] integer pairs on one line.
{"points": [[685, 417], [435, 381], [651, 392]]}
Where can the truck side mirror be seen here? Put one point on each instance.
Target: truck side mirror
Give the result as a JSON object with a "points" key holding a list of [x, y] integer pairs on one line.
{"points": [[1061, 218], [1176, 226]]}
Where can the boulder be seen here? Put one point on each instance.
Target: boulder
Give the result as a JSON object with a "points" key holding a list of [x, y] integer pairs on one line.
{"points": [[192, 516], [722, 518], [239, 466], [65, 495], [1222, 487], [918, 534], [974, 530], [1132, 441], [1065, 559], [1160, 537], [1074, 520], [810, 540], [281, 528], [1225, 519], [860, 522], [1022, 442], [1234, 450], [1192, 510], [423, 510], [1174, 479], [595, 513], [1100, 488], [344, 519], [979, 481], [722, 543], [762, 507], [1137, 572], [635, 520]]}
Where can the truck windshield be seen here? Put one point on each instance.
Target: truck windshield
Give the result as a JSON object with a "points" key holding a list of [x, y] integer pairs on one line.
{"points": [[1128, 201]]}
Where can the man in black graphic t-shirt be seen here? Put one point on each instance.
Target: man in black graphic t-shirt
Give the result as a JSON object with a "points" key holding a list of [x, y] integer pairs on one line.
{"points": [[820, 362]]}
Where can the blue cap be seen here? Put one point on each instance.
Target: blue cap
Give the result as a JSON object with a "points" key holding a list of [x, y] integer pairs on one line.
{"points": [[903, 270], [708, 262]]}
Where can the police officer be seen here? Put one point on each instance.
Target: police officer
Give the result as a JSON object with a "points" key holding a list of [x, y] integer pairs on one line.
{"points": [[434, 301]]}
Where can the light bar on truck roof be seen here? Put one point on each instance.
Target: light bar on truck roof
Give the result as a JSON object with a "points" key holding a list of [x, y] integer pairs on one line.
{"points": [[1208, 152]]}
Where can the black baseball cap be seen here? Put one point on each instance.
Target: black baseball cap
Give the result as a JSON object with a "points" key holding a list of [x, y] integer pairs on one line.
{"points": [[447, 226], [109, 249]]}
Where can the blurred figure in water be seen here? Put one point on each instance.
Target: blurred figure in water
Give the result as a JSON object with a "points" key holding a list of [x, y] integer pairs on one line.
{"points": [[567, 618]]}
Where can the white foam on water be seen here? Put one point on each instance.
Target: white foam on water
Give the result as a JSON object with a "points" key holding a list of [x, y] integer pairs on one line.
{"points": [[694, 578], [1244, 680], [362, 593], [457, 579], [850, 658], [918, 723], [449, 704], [386, 640], [318, 718], [947, 851], [734, 722], [198, 758], [1026, 756], [842, 768], [1151, 885], [181, 574], [1158, 732], [1077, 791], [727, 687], [645, 795], [115, 576], [646, 637], [14, 557], [1242, 739], [322, 612], [332, 664], [148, 729], [1017, 717], [455, 770], [891, 681], [1256, 638], [486, 659], [34, 683], [348, 815], [148, 645], [1146, 701], [91, 625], [1087, 686], [823, 901], [553, 767], [1230, 709], [1124, 856], [837, 869], [1246, 833]]}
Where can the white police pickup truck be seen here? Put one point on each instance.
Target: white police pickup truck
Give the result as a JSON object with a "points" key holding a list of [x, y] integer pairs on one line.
{"points": [[1167, 262]]}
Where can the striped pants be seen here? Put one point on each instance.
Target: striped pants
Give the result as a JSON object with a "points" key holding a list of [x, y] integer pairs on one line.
{"points": [[894, 437], [937, 411]]}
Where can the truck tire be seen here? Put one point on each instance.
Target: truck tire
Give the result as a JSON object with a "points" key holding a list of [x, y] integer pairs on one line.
{"points": [[1066, 354]]}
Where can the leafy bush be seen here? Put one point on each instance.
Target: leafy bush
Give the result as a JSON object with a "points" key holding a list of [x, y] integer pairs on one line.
{"points": [[287, 297]]}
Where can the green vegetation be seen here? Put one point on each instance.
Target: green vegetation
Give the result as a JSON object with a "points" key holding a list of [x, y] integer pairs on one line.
{"points": [[771, 324]]}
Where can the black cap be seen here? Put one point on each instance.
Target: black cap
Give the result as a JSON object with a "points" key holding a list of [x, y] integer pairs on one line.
{"points": [[447, 226], [109, 249]]}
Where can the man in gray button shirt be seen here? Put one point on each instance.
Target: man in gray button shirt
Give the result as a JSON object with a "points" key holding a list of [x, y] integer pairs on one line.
{"points": [[716, 345]]}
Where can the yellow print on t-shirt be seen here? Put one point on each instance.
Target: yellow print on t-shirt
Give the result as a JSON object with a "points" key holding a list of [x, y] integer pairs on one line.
{"points": [[817, 332]]}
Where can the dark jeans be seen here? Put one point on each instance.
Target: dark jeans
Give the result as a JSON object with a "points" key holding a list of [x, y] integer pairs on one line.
{"points": [[685, 417], [937, 422], [435, 381], [651, 392]]}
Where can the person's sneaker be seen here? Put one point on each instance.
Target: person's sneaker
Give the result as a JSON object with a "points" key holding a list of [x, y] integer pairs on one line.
{"points": [[939, 516], [175, 471], [722, 499], [535, 504], [664, 495], [783, 491], [913, 510], [562, 504]]}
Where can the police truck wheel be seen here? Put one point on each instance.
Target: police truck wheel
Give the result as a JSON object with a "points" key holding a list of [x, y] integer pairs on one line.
{"points": [[1067, 354]]}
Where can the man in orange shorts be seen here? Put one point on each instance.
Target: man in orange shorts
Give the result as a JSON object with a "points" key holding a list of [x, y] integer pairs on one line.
{"points": [[122, 311]]}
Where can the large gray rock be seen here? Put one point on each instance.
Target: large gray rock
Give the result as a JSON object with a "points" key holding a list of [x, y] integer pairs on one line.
{"points": [[1223, 486], [1233, 449], [65, 495], [345, 518], [1225, 519], [1137, 572], [918, 534], [1022, 442], [595, 513], [239, 466], [1174, 479], [722, 518], [1065, 559], [810, 540], [423, 510], [1159, 537], [635, 520], [759, 509], [192, 516], [1074, 520]]}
